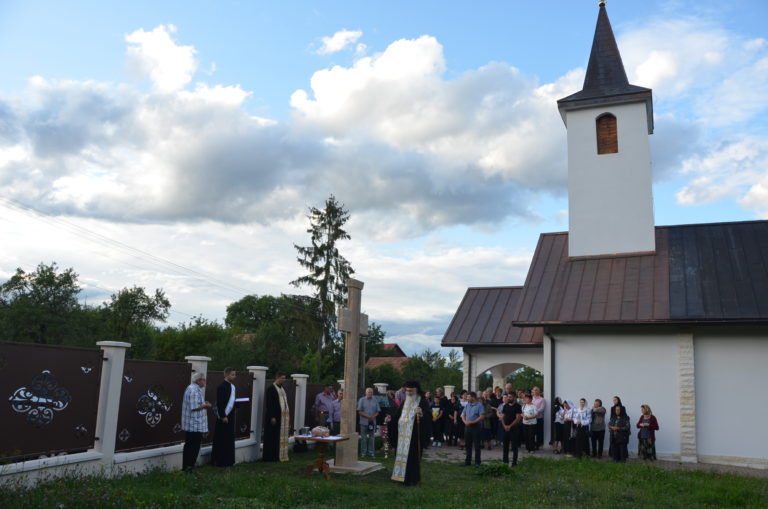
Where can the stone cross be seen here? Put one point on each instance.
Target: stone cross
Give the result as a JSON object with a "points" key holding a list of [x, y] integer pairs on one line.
{"points": [[354, 324]]}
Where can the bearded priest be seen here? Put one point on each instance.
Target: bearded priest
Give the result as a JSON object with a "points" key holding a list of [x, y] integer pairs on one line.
{"points": [[409, 435]]}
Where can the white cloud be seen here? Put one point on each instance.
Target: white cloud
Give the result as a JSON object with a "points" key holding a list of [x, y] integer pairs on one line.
{"points": [[735, 169], [339, 41], [156, 54]]}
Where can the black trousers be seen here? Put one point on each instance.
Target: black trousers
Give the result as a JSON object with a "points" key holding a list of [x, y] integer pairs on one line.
{"points": [[597, 438], [192, 441], [472, 440], [529, 431], [581, 442], [511, 439]]}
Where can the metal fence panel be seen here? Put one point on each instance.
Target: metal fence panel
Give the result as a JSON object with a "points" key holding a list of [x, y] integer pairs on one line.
{"points": [[150, 404], [50, 394], [243, 389]]}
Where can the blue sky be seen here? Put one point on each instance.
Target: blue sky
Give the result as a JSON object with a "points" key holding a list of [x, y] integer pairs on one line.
{"points": [[200, 132]]}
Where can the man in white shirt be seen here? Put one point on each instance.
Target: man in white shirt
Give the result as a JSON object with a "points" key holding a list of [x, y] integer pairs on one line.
{"points": [[194, 420]]}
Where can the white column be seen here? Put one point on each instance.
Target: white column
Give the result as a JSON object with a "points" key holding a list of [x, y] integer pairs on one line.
{"points": [[687, 395], [465, 377], [199, 364], [549, 391], [109, 398], [259, 374], [449, 390], [381, 387], [300, 401], [341, 384]]}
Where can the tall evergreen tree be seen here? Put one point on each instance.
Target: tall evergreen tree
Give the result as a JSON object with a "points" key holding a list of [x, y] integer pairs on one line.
{"points": [[327, 270]]}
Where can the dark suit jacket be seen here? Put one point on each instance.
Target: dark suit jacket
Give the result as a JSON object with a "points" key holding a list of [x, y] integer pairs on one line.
{"points": [[223, 392]]}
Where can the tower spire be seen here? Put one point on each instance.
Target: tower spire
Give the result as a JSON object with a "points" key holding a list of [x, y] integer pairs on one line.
{"points": [[606, 80]]}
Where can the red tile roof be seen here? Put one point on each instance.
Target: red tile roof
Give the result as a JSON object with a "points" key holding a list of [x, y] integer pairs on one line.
{"points": [[375, 362], [395, 349]]}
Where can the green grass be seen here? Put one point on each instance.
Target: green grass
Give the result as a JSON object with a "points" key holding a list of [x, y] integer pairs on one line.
{"points": [[536, 482]]}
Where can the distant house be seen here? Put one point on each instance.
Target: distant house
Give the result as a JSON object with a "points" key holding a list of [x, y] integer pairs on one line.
{"points": [[396, 357], [675, 317], [394, 350]]}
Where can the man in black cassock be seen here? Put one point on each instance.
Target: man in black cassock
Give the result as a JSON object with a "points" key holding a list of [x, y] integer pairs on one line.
{"points": [[276, 421], [409, 434], [223, 451]]}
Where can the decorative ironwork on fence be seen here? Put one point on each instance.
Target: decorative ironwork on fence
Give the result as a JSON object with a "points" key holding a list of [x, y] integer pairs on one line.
{"points": [[150, 404], [50, 396], [243, 389]]}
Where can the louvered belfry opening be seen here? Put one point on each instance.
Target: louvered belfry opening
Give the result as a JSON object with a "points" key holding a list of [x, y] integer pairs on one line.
{"points": [[607, 135]]}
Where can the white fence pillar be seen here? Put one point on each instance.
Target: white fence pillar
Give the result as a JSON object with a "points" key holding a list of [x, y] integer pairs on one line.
{"points": [[449, 390], [300, 401], [341, 384], [381, 387], [199, 364], [109, 398], [259, 374]]}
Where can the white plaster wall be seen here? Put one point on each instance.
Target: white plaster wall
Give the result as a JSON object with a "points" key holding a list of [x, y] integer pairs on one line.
{"points": [[639, 368], [731, 378], [610, 203], [488, 358]]}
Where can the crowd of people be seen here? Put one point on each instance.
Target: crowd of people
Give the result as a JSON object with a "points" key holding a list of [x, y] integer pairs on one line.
{"points": [[413, 420]]}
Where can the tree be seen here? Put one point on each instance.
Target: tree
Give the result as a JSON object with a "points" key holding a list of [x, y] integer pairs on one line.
{"points": [[526, 378], [327, 270], [131, 314], [279, 330], [39, 307]]}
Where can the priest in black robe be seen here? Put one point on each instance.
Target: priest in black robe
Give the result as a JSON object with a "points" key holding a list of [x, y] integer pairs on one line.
{"points": [[223, 451], [276, 421], [409, 434]]}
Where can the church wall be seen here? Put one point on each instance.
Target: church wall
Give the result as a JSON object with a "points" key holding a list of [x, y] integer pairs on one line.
{"points": [[641, 368], [610, 205], [731, 375]]}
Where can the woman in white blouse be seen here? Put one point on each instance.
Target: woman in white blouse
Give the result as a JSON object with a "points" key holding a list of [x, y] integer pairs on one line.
{"points": [[582, 417], [529, 423]]}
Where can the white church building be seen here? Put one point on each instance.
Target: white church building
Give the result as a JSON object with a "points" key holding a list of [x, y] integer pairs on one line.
{"points": [[675, 317]]}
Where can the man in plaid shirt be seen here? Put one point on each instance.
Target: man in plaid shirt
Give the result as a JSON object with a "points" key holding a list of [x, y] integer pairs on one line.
{"points": [[194, 420]]}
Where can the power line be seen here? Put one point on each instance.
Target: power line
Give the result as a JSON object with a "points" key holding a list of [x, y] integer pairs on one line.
{"points": [[103, 240]]}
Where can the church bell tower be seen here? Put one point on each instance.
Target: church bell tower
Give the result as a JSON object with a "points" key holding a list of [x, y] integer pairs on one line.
{"points": [[610, 201]]}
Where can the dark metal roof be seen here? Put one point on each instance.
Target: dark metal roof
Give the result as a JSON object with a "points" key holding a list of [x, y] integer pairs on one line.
{"points": [[485, 317], [714, 273], [606, 80]]}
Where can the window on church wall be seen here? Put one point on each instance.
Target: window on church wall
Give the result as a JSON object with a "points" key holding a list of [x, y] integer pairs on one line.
{"points": [[607, 134]]}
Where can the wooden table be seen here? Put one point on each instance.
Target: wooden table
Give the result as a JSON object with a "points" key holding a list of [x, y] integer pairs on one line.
{"points": [[320, 463]]}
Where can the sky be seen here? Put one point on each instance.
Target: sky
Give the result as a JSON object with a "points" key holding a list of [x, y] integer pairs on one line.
{"points": [[179, 145]]}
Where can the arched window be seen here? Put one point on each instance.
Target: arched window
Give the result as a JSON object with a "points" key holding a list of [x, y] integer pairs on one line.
{"points": [[607, 135]]}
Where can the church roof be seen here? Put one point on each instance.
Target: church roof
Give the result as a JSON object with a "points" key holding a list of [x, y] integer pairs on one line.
{"points": [[485, 317], [704, 273], [606, 80]]}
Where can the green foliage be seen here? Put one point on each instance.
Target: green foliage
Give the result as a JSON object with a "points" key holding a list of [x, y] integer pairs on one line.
{"points": [[495, 469], [130, 315], [280, 331], [526, 378], [40, 306], [374, 342], [327, 270], [386, 373]]}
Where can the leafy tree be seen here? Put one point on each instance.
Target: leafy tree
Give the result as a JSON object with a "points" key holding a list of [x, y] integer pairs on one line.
{"points": [[39, 306], [279, 330], [526, 378], [327, 270], [374, 342], [386, 373], [131, 314], [193, 338]]}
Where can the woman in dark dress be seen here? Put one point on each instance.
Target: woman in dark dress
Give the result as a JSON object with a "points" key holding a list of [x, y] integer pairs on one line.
{"points": [[619, 429], [568, 426], [648, 425]]}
